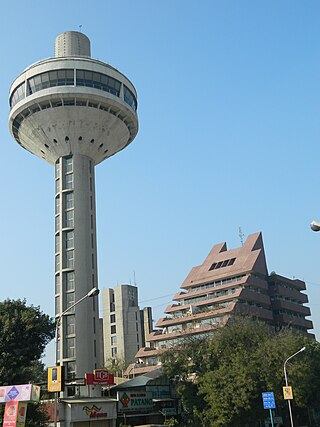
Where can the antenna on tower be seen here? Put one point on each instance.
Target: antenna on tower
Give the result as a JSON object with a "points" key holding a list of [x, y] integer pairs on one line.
{"points": [[241, 235], [134, 278], [80, 28]]}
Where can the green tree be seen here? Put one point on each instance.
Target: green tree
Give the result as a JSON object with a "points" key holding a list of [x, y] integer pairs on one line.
{"points": [[220, 378], [184, 365], [25, 331]]}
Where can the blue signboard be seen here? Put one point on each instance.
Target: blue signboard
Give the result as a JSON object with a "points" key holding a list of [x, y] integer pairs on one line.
{"points": [[13, 393], [268, 400]]}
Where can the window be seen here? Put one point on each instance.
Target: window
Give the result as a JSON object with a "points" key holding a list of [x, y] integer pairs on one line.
{"points": [[98, 81], [70, 259], [95, 348], [71, 370], [112, 318], [57, 284], [70, 347], [70, 299], [114, 352], [57, 262], [57, 185], [68, 181], [69, 215], [68, 164], [70, 325], [58, 205], [63, 77], [221, 264], [57, 304], [70, 281], [57, 170], [69, 201], [113, 329], [114, 340], [18, 94], [69, 235], [57, 223], [57, 242], [129, 98]]}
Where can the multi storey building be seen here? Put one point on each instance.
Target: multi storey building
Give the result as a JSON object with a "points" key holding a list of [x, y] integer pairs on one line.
{"points": [[227, 283], [124, 324]]}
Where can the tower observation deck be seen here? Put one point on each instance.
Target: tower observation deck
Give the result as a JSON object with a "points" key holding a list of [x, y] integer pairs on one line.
{"points": [[74, 112]]}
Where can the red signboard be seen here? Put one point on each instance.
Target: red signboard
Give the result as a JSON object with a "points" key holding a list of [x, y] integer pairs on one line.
{"points": [[10, 414], [99, 376]]}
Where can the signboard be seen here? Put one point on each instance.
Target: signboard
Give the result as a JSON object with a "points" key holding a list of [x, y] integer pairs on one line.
{"points": [[22, 413], [287, 393], [268, 400], [10, 414], [99, 377], [93, 411], [134, 402], [19, 393], [55, 379]]}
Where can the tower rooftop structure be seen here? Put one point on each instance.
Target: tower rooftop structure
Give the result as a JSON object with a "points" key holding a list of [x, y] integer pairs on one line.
{"points": [[73, 104], [74, 112]]}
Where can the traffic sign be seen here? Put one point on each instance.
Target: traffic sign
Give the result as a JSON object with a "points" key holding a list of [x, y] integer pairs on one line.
{"points": [[268, 400]]}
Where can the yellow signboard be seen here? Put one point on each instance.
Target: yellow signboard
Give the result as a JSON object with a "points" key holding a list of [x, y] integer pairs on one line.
{"points": [[287, 393], [55, 379]]}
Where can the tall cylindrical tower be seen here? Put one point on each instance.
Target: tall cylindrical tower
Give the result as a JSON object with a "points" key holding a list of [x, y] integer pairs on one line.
{"points": [[74, 112]]}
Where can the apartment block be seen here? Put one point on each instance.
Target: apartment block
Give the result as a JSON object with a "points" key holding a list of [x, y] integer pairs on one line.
{"points": [[124, 324], [228, 283]]}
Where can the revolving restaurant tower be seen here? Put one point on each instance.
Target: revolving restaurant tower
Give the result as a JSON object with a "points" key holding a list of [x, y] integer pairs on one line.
{"points": [[74, 112]]}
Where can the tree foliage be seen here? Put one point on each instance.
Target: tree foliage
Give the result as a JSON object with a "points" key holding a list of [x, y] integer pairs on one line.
{"points": [[220, 378], [25, 331]]}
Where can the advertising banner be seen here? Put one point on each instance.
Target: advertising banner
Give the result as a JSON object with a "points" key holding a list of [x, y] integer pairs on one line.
{"points": [[22, 413], [287, 393], [134, 402], [35, 393], [99, 377], [19, 393], [10, 414], [55, 379], [95, 410]]}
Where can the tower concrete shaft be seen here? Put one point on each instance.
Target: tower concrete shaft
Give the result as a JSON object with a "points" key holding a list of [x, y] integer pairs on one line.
{"points": [[74, 112]]}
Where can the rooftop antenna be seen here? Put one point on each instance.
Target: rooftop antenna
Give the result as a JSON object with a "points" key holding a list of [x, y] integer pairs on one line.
{"points": [[241, 235], [80, 28], [134, 278]]}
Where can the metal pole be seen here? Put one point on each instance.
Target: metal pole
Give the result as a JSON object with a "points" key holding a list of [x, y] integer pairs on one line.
{"points": [[286, 381], [271, 417]]}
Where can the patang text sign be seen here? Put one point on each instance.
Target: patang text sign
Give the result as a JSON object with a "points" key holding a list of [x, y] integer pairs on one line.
{"points": [[134, 402]]}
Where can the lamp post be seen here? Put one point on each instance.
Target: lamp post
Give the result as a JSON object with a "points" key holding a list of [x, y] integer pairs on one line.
{"points": [[92, 293], [315, 225], [286, 380]]}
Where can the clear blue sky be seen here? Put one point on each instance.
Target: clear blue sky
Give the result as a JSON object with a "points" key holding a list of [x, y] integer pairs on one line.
{"points": [[229, 112]]}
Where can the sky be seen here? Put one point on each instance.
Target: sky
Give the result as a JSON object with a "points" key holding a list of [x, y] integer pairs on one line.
{"points": [[229, 133]]}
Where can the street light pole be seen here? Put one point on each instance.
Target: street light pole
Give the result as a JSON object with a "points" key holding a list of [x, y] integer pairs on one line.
{"points": [[92, 293], [286, 381]]}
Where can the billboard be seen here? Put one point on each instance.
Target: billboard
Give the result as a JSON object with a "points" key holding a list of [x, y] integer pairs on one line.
{"points": [[99, 377], [134, 402], [55, 379], [19, 393]]}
